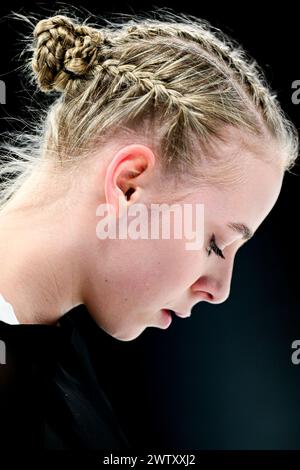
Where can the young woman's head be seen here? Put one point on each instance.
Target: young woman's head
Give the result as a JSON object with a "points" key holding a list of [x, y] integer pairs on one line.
{"points": [[145, 112]]}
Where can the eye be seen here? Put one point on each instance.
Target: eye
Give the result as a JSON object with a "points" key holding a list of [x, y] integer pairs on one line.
{"points": [[214, 247]]}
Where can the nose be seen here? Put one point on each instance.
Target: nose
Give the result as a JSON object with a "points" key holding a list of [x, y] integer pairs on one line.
{"points": [[214, 287]]}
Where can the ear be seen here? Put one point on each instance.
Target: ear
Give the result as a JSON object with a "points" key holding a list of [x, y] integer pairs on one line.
{"points": [[124, 175]]}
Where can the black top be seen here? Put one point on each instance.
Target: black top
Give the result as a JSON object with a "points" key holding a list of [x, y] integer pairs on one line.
{"points": [[50, 396]]}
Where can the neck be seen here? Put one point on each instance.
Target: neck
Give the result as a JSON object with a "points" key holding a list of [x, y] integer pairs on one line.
{"points": [[39, 276]]}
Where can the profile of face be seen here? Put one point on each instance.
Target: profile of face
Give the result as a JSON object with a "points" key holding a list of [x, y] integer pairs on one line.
{"points": [[127, 283]]}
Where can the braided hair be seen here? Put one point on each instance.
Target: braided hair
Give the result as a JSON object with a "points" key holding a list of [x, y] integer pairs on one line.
{"points": [[176, 82]]}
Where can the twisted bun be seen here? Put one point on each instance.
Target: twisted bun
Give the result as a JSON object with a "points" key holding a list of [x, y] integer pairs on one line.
{"points": [[63, 52]]}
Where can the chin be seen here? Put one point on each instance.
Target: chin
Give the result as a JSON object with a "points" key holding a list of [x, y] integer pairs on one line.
{"points": [[123, 334], [128, 336], [122, 329]]}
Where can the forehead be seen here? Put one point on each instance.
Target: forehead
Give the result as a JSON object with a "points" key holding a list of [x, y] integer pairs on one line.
{"points": [[250, 200], [252, 196]]}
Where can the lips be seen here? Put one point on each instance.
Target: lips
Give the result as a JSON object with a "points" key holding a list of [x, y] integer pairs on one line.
{"points": [[179, 314]]}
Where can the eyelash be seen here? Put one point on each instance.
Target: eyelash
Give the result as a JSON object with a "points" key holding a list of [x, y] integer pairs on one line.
{"points": [[213, 247]]}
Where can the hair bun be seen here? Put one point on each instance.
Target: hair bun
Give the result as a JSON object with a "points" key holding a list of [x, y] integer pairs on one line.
{"points": [[63, 52]]}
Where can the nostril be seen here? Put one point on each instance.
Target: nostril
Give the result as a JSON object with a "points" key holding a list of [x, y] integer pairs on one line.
{"points": [[205, 296]]}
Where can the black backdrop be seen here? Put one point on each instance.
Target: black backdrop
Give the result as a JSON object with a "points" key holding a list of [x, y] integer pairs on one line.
{"points": [[222, 379]]}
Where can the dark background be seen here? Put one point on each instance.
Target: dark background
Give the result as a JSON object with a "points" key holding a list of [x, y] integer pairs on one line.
{"points": [[222, 379]]}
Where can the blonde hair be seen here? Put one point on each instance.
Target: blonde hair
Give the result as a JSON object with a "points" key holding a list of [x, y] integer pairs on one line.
{"points": [[176, 81]]}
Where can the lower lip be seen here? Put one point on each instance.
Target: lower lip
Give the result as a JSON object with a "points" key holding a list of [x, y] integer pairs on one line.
{"points": [[167, 318], [183, 315]]}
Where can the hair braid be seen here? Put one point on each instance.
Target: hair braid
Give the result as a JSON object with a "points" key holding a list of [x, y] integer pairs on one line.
{"points": [[64, 51], [245, 71], [177, 83]]}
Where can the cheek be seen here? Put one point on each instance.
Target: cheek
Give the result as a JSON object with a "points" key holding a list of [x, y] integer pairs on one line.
{"points": [[146, 272], [141, 280], [160, 266]]}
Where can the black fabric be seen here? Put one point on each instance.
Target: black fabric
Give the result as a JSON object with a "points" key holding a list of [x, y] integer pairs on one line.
{"points": [[50, 397]]}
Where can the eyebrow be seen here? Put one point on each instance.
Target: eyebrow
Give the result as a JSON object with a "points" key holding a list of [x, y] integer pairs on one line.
{"points": [[242, 229]]}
